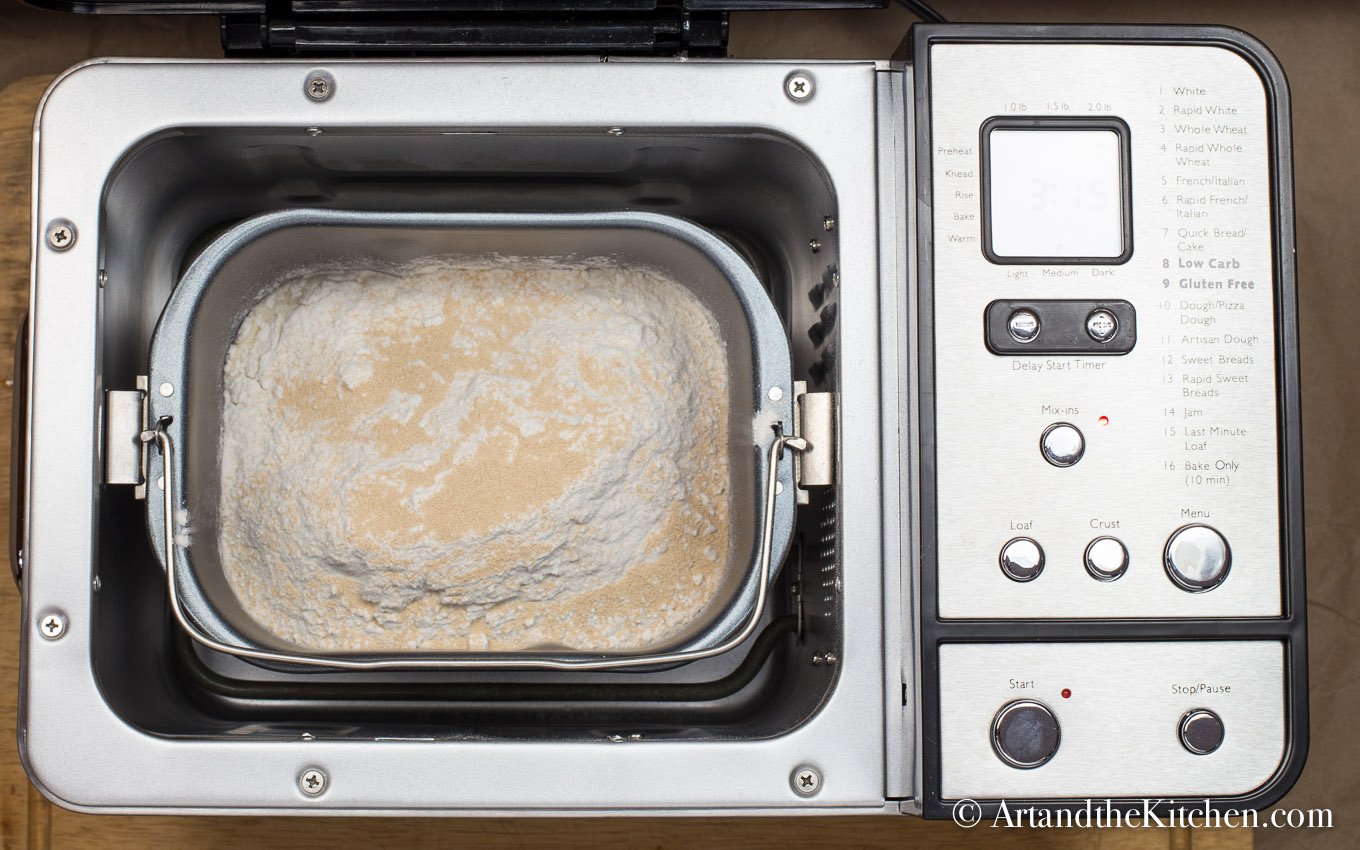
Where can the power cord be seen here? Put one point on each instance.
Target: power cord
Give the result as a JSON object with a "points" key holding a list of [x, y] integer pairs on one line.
{"points": [[923, 11]]}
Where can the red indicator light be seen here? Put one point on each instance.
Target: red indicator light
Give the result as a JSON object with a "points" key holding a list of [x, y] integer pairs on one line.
{"points": [[1067, 692], [1104, 420]]}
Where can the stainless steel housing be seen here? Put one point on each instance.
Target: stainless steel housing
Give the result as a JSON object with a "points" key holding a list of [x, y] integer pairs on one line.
{"points": [[200, 321], [170, 170]]}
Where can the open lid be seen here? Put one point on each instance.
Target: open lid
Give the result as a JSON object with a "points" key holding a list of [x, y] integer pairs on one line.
{"points": [[461, 27]]}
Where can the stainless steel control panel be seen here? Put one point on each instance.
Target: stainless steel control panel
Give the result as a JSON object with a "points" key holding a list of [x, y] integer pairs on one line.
{"points": [[1111, 548], [1066, 176]]}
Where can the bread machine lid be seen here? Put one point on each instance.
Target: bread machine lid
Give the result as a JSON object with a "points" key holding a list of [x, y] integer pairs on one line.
{"points": [[462, 27]]}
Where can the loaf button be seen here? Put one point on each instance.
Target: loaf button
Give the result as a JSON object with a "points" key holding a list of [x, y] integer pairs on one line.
{"points": [[1022, 559], [1025, 734]]}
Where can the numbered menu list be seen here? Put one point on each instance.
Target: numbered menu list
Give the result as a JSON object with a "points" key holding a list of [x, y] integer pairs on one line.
{"points": [[1212, 294]]}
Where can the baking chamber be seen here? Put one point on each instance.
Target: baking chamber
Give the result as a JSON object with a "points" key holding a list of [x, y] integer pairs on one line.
{"points": [[196, 218]]}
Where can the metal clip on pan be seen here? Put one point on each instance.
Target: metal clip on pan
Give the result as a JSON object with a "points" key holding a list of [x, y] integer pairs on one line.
{"points": [[167, 448]]}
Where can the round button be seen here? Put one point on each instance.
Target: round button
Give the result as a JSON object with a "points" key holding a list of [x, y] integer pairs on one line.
{"points": [[1062, 444], [1023, 325], [1106, 558], [1022, 559], [1025, 734], [1102, 325], [1201, 731], [1197, 558]]}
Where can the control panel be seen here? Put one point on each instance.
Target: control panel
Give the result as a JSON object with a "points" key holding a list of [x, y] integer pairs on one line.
{"points": [[1104, 329], [1099, 720], [1111, 554]]}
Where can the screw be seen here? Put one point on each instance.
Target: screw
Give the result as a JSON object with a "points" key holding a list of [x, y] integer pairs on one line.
{"points": [[820, 660], [61, 234], [313, 781], [798, 86], [615, 131], [320, 86], [52, 626], [815, 245], [828, 224], [806, 781]]}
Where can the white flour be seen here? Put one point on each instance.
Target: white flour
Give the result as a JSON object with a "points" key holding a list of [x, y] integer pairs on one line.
{"points": [[497, 457]]}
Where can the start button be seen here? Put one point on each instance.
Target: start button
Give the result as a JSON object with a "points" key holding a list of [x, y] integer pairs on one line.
{"points": [[1025, 734]]}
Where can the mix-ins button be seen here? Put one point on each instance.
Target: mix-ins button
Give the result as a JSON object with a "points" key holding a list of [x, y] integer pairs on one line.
{"points": [[1062, 444]]}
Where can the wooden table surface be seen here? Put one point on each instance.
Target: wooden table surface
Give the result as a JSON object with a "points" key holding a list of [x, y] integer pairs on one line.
{"points": [[27, 820]]}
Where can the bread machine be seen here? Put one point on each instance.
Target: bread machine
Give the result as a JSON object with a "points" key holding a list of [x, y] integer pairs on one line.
{"points": [[1028, 526]]}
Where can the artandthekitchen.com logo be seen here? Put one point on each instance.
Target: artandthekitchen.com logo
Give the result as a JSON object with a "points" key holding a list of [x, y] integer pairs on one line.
{"points": [[1147, 814]]}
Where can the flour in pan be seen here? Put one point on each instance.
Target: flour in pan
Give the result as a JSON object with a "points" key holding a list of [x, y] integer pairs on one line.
{"points": [[496, 457]]}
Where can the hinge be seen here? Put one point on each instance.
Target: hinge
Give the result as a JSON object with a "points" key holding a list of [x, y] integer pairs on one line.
{"points": [[124, 452], [814, 419], [304, 28]]}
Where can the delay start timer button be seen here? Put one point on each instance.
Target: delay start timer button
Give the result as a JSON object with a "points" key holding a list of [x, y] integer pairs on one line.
{"points": [[1062, 444], [1022, 559], [1201, 731], [1101, 325], [1197, 558], [1025, 734], [1023, 325]]}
